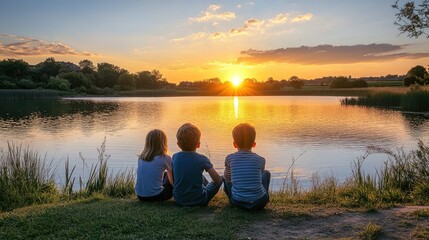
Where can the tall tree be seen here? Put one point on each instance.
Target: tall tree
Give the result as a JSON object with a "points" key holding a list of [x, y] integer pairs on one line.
{"points": [[418, 71], [49, 67], [86, 66], [412, 18], [108, 74], [14, 68]]}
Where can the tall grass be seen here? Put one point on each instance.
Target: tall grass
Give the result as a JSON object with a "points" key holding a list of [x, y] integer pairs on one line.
{"points": [[404, 178], [25, 178], [99, 181], [414, 100]]}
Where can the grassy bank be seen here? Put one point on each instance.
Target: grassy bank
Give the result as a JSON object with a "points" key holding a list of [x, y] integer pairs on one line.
{"points": [[104, 206], [414, 100]]}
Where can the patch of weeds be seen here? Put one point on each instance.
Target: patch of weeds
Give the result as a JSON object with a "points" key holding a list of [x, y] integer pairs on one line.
{"points": [[421, 213], [405, 224], [371, 232], [420, 233]]}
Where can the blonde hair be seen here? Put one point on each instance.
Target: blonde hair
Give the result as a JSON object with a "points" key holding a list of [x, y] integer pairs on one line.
{"points": [[188, 136], [156, 144]]}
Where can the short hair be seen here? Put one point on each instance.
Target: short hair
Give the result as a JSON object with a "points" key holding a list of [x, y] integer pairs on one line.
{"points": [[188, 136], [244, 135]]}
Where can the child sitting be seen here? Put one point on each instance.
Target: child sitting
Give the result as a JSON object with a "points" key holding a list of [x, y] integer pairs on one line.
{"points": [[246, 180], [154, 171], [190, 186]]}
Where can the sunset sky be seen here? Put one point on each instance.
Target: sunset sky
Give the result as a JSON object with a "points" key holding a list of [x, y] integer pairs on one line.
{"points": [[195, 40]]}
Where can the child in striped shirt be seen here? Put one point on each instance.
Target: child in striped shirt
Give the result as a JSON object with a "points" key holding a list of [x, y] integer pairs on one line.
{"points": [[246, 181]]}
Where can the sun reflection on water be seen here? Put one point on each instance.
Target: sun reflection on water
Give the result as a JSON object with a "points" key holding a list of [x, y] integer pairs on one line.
{"points": [[236, 106]]}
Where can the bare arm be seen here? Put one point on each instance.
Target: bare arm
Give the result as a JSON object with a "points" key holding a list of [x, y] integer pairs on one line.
{"points": [[170, 172], [215, 176], [170, 176]]}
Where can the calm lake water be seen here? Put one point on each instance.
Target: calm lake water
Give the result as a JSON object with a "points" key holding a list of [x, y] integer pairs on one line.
{"points": [[325, 136]]}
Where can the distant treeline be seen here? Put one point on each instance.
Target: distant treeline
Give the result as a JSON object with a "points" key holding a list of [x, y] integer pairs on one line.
{"points": [[106, 79]]}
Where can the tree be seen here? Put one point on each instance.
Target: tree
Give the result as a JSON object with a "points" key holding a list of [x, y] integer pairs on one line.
{"points": [[86, 66], [296, 84], [49, 67], [144, 79], [412, 19], [76, 79], [126, 81], [418, 72], [108, 74], [410, 80], [14, 68]]}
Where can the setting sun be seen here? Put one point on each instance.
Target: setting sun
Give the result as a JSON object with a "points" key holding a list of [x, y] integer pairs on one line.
{"points": [[236, 81]]}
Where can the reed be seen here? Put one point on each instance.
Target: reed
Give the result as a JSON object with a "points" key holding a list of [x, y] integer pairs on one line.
{"points": [[416, 100], [25, 178], [121, 184]]}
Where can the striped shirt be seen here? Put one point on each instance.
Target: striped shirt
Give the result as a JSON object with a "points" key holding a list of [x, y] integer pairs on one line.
{"points": [[244, 170]]}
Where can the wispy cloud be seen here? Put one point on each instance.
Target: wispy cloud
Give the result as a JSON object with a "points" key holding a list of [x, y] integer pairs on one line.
{"points": [[211, 14], [12, 45], [250, 26], [303, 18], [329, 54]]}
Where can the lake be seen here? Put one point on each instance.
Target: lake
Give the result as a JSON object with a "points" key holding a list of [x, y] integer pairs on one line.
{"points": [[321, 134]]}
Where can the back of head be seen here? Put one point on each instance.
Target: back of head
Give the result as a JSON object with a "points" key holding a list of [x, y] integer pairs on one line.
{"points": [[156, 144], [188, 137], [244, 135]]}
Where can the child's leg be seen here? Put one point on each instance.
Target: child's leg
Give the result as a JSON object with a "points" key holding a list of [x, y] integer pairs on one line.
{"points": [[167, 193], [266, 176], [211, 189]]}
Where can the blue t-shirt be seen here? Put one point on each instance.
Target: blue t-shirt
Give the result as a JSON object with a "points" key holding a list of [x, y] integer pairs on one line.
{"points": [[244, 170], [150, 174], [188, 170]]}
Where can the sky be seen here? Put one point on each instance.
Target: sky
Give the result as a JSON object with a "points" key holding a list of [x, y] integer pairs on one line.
{"points": [[197, 39]]}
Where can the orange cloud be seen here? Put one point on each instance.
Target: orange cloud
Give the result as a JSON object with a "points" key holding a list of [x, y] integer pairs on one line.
{"points": [[329, 54], [11, 45]]}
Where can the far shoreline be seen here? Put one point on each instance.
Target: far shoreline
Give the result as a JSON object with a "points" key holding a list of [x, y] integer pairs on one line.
{"points": [[46, 93]]}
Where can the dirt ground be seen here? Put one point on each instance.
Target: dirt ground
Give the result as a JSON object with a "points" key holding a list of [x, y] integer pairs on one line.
{"points": [[411, 222]]}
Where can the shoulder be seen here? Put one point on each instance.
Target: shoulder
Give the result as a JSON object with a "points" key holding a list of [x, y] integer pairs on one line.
{"points": [[259, 158]]}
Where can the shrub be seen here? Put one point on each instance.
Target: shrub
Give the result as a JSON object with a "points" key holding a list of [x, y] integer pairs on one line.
{"points": [[58, 84], [26, 84], [7, 85], [410, 80]]}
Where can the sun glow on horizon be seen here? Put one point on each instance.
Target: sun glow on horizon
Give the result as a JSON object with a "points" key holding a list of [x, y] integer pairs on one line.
{"points": [[236, 81]]}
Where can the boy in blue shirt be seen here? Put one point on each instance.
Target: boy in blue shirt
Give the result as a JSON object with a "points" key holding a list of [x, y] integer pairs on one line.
{"points": [[190, 186], [246, 181]]}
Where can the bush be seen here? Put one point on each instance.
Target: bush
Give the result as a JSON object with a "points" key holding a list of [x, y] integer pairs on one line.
{"points": [[7, 85], [58, 84], [296, 84], [26, 84], [343, 82], [410, 80]]}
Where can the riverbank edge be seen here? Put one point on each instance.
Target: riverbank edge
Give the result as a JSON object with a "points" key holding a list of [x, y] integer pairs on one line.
{"points": [[127, 218]]}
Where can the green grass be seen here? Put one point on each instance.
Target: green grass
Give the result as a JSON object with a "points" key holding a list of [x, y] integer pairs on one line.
{"points": [[370, 232], [25, 178], [104, 218]]}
